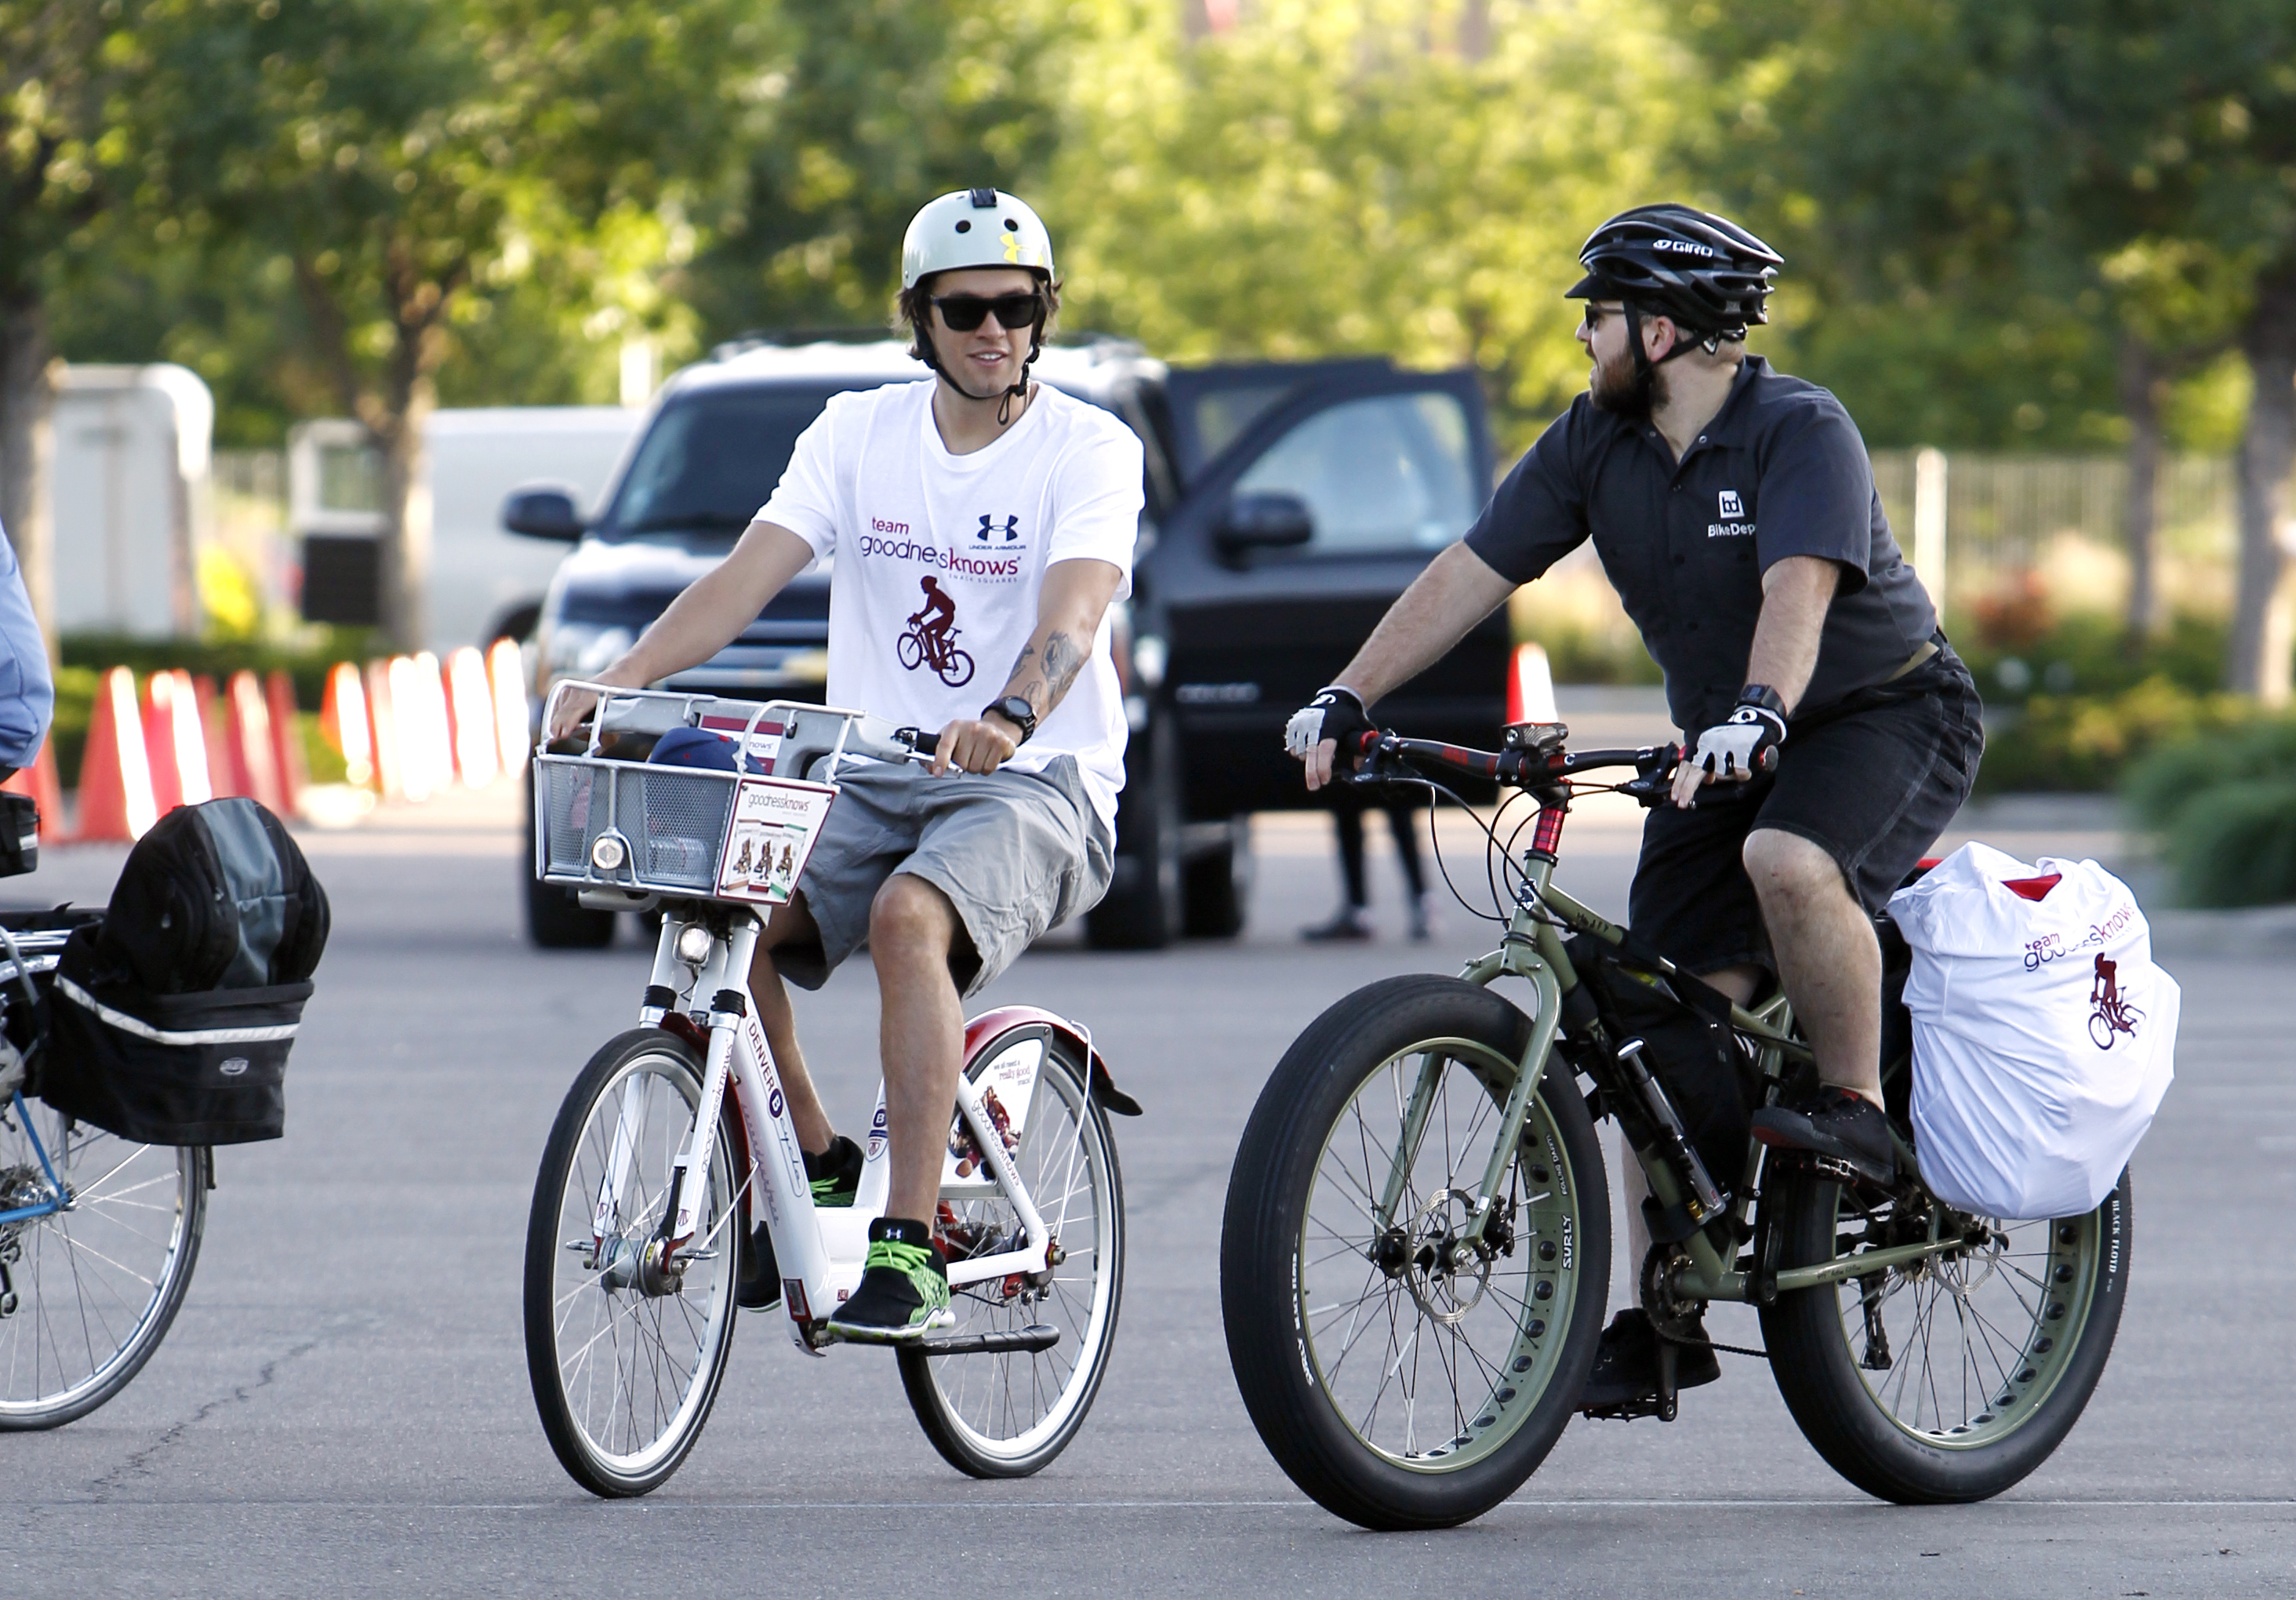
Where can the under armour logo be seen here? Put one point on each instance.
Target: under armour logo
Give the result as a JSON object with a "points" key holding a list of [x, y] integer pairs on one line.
{"points": [[1730, 504], [1010, 528]]}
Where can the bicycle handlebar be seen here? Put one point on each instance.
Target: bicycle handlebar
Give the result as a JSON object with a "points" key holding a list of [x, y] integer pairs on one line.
{"points": [[1524, 767]]}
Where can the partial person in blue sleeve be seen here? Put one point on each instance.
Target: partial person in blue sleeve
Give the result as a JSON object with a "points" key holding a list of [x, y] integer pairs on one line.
{"points": [[28, 693]]}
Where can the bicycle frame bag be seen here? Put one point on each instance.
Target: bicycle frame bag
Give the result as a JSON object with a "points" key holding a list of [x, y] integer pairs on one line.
{"points": [[207, 1068], [2043, 1037], [1697, 1060]]}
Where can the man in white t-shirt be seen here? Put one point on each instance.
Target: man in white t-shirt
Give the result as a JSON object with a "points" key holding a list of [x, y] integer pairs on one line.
{"points": [[977, 520]]}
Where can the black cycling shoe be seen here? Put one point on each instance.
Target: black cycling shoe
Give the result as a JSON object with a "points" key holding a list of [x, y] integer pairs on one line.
{"points": [[835, 1174], [757, 1276], [1843, 1127], [1625, 1382]]}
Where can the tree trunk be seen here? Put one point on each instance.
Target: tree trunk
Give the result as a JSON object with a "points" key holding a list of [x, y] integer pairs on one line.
{"points": [[405, 575], [2258, 662], [2144, 378], [28, 397]]}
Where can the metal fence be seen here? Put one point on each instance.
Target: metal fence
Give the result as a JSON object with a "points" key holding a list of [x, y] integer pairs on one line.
{"points": [[2062, 520]]}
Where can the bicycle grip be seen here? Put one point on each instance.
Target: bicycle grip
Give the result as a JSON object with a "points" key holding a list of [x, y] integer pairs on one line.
{"points": [[918, 740]]}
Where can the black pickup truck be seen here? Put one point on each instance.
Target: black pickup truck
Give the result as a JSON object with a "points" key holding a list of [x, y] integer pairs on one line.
{"points": [[1287, 507]]}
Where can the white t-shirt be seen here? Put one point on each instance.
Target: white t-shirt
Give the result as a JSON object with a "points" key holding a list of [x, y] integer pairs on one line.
{"points": [[940, 560]]}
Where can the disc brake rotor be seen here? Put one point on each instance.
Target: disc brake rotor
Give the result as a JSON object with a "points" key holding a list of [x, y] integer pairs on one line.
{"points": [[1446, 1273]]}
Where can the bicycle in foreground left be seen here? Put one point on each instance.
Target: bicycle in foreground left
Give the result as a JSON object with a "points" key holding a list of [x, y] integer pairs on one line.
{"points": [[676, 1137]]}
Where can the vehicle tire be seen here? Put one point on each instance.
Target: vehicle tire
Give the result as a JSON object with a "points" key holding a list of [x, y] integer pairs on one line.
{"points": [[1143, 907], [624, 1372], [1944, 1408], [1008, 1414], [1306, 1273], [554, 919], [95, 1288], [1216, 885]]}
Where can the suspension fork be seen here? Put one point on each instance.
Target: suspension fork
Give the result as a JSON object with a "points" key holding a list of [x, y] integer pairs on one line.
{"points": [[727, 971], [1539, 968]]}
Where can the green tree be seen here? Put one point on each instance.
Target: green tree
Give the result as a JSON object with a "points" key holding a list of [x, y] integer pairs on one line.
{"points": [[405, 161], [1367, 176], [64, 67], [2137, 154], [860, 112]]}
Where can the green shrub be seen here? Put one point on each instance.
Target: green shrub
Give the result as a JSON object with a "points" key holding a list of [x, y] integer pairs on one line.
{"points": [[2082, 742], [2235, 844], [2225, 806], [2089, 653]]}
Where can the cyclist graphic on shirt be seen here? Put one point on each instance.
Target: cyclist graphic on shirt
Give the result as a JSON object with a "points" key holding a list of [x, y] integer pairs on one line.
{"points": [[941, 610]]}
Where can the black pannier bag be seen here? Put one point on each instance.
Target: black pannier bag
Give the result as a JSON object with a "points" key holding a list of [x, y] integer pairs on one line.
{"points": [[1698, 1062], [171, 1020]]}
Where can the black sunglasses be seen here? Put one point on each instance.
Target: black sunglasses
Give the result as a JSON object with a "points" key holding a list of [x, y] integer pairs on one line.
{"points": [[1595, 315], [965, 312]]}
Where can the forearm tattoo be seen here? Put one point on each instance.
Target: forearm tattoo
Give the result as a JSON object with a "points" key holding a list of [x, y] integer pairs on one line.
{"points": [[1056, 669]]}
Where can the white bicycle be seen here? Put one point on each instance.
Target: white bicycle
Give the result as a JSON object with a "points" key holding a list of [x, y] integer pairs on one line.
{"points": [[676, 1140]]}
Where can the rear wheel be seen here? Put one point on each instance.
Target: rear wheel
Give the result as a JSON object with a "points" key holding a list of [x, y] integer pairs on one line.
{"points": [[1143, 907], [87, 1294], [1008, 1414], [1411, 1373], [1950, 1379], [1217, 884], [626, 1356]]}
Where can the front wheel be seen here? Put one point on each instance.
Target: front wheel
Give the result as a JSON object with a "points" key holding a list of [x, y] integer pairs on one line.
{"points": [[1408, 1364], [624, 1349], [1007, 1414], [1949, 1379]]}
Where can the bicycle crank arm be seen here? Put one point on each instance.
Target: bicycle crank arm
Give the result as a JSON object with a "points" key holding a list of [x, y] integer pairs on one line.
{"points": [[1029, 1340]]}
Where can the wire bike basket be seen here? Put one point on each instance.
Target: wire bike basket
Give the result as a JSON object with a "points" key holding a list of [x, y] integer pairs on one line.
{"points": [[641, 828]]}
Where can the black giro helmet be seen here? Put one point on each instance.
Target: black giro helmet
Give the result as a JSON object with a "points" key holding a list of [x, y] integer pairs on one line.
{"points": [[1707, 273]]}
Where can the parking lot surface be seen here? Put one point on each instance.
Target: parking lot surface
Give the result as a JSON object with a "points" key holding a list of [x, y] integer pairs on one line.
{"points": [[342, 1406]]}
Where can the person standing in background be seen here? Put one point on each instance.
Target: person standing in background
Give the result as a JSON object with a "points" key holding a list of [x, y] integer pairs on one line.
{"points": [[1352, 921]]}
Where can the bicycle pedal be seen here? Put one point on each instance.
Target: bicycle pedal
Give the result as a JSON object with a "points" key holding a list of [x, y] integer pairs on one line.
{"points": [[1633, 1410], [1834, 1167]]}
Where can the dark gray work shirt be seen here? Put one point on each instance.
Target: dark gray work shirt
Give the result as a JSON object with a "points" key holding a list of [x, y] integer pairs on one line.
{"points": [[1780, 471]]}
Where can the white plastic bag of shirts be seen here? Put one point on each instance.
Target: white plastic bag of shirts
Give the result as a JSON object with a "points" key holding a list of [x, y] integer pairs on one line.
{"points": [[2043, 1037]]}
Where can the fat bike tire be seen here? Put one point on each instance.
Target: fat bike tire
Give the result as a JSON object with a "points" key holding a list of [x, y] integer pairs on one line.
{"points": [[623, 1378], [1402, 1379], [1008, 1414], [1970, 1369]]}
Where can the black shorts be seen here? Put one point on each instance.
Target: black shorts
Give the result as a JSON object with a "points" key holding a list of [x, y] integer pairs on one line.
{"points": [[1872, 782]]}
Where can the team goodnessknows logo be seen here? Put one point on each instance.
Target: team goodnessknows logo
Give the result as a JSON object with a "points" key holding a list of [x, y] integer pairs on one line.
{"points": [[996, 551], [1731, 509]]}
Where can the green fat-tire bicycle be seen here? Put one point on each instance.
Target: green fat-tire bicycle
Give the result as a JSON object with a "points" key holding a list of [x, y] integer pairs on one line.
{"points": [[1415, 1258]]}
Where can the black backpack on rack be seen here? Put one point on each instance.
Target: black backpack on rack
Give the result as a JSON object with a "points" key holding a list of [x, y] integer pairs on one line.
{"points": [[171, 1019]]}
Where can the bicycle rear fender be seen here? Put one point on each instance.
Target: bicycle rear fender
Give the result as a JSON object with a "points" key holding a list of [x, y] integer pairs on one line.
{"points": [[989, 1026]]}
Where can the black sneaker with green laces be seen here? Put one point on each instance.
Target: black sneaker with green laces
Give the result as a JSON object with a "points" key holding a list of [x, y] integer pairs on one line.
{"points": [[904, 1293], [835, 1174]]}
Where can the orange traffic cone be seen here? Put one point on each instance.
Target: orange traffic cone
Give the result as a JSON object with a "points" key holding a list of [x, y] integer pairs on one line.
{"points": [[1530, 686], [506, 673], [382, 731], [115, 781], [46, 791], [159, 753], [471, 705], [343, 723], [426, 754], [286, 740], [242, 736]]}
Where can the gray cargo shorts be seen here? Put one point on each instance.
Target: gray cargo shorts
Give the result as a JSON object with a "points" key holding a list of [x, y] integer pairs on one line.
{"points": [[1015, 853]]}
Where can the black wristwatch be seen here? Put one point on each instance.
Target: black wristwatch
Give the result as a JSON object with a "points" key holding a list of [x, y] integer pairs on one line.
{"points": [[1015, 710], [1765, 698]]}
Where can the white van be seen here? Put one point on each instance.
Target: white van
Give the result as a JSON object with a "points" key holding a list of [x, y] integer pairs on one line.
{"points": [[484, 583]]}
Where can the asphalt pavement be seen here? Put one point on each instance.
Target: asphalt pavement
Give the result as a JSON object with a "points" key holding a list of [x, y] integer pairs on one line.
{"points": [[342, 1406]]}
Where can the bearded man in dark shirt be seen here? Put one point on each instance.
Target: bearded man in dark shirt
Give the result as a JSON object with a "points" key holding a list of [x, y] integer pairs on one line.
{"points": [[1832, 732]]}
